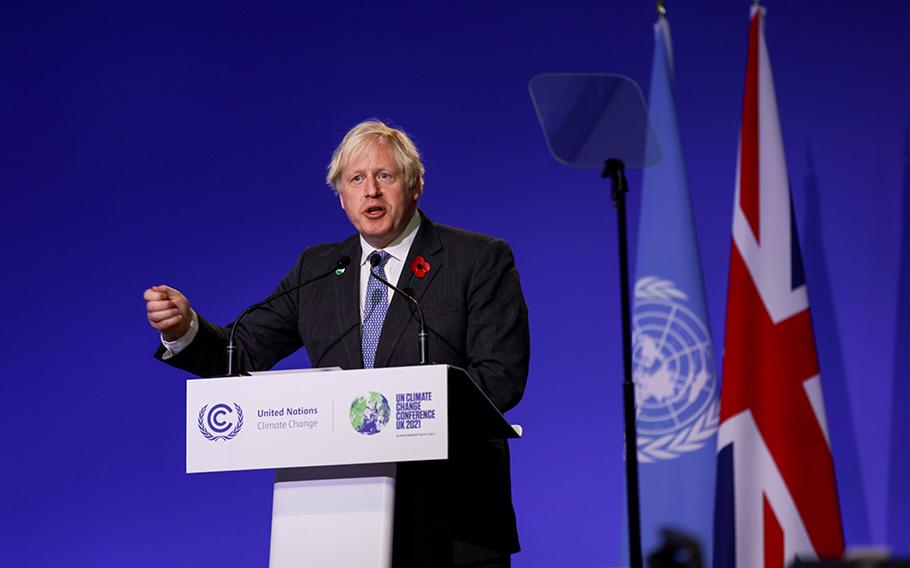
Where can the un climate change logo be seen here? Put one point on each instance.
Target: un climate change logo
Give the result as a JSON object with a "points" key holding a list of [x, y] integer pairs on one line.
{"points": [[370, 413], [675, 388], [219, 420]]}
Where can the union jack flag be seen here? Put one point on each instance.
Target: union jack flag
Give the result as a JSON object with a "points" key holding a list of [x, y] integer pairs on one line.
{"points": [[776, 494]]}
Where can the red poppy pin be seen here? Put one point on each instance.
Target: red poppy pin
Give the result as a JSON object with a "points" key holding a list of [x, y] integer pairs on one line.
{"points": [[420, 267]]}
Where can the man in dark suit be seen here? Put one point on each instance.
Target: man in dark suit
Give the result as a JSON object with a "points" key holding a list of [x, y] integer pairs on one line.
{"points": [[456, 512]]}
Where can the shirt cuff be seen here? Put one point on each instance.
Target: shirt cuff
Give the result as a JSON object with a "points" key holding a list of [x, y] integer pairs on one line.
{"points": [[174, 347]]}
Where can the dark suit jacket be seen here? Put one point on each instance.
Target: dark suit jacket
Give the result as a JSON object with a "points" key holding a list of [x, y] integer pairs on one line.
{"points": [[453, 511]]}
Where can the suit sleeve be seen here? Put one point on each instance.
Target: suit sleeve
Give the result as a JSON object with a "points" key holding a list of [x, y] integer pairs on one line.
{"points": [[498, 338], [263, 337]]}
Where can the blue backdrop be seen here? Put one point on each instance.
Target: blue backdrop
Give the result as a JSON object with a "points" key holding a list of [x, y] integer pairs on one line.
{"points": [[169, 142]]}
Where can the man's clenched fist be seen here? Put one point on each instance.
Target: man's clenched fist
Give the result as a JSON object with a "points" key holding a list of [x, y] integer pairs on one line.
{"points": [[168, 311]]}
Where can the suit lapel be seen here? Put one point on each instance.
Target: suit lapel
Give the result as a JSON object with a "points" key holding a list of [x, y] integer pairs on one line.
{"points": [[427, 245], [346, 296]]}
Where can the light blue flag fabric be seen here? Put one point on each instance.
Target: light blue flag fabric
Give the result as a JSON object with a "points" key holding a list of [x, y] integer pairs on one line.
{"points": [[677, 391]]}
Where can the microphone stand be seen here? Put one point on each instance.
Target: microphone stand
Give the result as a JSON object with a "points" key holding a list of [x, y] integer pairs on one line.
{"points": [[615, 170], [375, 259], [342, 263]]}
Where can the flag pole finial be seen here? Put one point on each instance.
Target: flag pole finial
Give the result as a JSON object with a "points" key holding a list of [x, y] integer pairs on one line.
{"points": [[661, 8]]}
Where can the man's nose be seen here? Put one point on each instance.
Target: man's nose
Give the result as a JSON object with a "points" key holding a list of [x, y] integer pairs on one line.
{"points": [[372, 187]]}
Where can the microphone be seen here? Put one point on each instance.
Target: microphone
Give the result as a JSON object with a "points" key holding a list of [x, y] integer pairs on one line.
{"points": [[375, 260], [338, 269]]}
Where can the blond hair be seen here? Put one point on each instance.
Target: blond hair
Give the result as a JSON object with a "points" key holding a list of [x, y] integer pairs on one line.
{"points": [[377, 132]]}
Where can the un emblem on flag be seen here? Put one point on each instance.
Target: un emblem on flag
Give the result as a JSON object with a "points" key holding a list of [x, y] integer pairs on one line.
{"points": [[676, 398]]}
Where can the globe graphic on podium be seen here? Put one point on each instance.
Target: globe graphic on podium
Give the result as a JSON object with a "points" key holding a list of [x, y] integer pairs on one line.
{"points": [[370, 413]]}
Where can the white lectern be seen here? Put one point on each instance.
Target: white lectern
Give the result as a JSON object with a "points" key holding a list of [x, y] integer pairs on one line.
{"points": [[335, 437]]}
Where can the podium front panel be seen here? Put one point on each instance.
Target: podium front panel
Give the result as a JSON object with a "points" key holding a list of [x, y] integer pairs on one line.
{"points": [[313, 418]]}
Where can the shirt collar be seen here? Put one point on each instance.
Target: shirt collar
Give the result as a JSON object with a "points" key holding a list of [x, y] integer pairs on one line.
{"points": [[397, 249]]}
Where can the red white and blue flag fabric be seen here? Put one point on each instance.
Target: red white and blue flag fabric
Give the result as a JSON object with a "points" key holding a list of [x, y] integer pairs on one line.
{"points": [[776, 495]]}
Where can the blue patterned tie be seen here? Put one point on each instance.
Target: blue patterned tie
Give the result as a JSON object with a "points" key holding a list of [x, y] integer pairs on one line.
{"points": [[375, 306]]}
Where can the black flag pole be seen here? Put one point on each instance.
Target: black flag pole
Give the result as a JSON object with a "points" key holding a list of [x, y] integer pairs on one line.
{"points": [[615, 170], [587, 117]]}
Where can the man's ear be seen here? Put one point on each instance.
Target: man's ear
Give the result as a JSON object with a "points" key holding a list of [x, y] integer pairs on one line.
{"points": [[340, 200]]}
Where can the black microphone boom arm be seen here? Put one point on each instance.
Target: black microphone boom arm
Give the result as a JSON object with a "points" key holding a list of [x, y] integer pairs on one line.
{"points": [[342, 263], [375, 259]]}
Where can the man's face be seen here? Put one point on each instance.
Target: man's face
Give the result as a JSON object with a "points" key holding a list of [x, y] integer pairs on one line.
{"points": [[374, 196]]}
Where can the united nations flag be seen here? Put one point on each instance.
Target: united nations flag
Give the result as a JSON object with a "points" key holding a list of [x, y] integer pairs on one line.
{"points": [[676, 388]]}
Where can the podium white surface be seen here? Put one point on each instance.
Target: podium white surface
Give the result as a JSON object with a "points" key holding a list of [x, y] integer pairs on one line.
{"points": [[334, 437], [334, 516]]}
